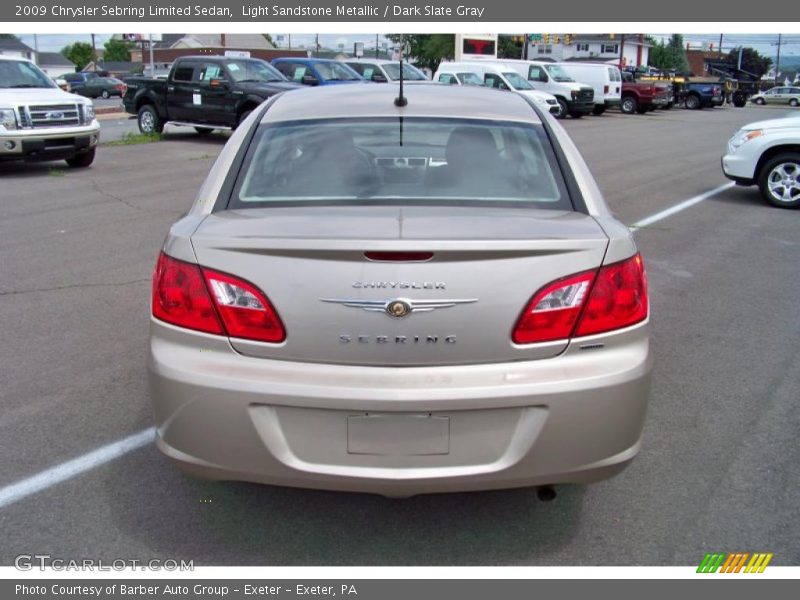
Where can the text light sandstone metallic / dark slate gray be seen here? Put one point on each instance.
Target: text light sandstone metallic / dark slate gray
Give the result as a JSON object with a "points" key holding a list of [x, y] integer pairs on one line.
{"points": [[400, 300]]}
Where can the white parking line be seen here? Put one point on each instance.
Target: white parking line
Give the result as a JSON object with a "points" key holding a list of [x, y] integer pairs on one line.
{"points": [[681, 206], [55, 475], [72, 468]]}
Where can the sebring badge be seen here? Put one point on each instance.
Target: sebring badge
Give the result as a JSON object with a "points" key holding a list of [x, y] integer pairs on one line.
{"points": [[398, 307]]}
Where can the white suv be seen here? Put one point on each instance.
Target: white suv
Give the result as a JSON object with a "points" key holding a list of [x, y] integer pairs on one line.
{"points": [[767, 154], [39, 121]]}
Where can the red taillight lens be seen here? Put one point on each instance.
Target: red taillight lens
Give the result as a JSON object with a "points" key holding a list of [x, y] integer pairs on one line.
{"points": [[204, 300], [399, 256], [180, 296], [553, 311], [605, 89], [618, 298], [585, 304], [245, 310]]}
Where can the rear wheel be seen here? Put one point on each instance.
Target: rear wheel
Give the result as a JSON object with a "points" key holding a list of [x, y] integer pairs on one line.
{"points": [[149, 121], [693, 102], [779, 180], [598, 109], [203, 130], [104, 94], [243, 116], [629, 105], [793, 102], [80, 161], [562, 108]]}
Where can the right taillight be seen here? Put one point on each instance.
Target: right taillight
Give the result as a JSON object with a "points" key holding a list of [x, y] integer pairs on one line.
{"points": [[188, 296], [587, 303]]}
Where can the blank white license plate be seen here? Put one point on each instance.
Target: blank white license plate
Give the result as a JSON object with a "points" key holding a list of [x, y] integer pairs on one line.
{"points": [[398, 435]]}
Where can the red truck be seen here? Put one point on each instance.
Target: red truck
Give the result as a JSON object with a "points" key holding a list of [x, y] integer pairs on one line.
{"points": [[641, 96]]}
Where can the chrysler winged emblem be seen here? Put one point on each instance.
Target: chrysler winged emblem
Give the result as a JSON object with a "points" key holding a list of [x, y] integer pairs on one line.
{"points": [[398, 307]]}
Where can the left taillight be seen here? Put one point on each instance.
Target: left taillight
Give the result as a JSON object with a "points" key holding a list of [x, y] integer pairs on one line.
{"points": [[190, 296]]}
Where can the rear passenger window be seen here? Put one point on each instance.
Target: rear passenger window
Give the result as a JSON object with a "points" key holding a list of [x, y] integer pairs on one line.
{"points": [[183, 72], [447, 78]]}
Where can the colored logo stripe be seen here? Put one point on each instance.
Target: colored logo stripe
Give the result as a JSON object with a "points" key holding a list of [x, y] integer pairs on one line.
{"points": [[734, 562]]}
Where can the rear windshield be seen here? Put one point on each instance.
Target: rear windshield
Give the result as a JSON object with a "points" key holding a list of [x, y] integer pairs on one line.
{"points": [[405, 161]]}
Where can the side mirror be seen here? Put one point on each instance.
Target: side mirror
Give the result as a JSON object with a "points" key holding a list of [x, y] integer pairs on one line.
{"points": [[310, 80], [378, 78], [218, 83]]}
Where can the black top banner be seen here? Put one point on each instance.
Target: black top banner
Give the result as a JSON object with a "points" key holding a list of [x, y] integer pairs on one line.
{"points": [[320, 11]]}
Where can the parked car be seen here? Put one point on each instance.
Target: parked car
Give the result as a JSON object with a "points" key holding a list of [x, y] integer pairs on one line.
{"points": [[641, 96], [204, 92], [778, 95], [383, 71], [102, 87], [767, 154], [605, 79], [316, 71], [39, 121], [77, 80], [400, 300], [500, 77], [574, 98]]}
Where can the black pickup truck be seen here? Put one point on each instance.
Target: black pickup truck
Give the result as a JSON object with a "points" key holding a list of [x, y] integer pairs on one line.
{"points": [[204, 92]]}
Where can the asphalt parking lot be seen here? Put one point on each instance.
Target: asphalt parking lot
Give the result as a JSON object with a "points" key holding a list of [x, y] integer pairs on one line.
{"points": [[720, 465]]}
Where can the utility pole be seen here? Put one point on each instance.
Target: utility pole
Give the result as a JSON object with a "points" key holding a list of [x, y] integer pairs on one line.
{"points": [[778, 60], [94, 56], [621, 51], [316, 43], [376, 44], [36, 48], [720, 45], [290, 41]]}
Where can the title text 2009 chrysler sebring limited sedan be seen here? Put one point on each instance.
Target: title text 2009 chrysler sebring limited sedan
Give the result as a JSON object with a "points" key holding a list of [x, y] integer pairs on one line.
{"points": [[400, 299]]}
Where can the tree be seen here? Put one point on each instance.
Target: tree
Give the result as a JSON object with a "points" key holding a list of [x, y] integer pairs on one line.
{"points": [[117, 50], [79, 53], [508, 47], [670, 56], [8, 36], [428, 50], [752, 61]]}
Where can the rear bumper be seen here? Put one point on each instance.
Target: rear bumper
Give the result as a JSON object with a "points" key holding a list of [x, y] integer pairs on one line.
{"points": [[576, 418]]}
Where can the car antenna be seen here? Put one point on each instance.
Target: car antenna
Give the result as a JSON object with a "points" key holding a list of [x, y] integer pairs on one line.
{"points": [[401, 99]]}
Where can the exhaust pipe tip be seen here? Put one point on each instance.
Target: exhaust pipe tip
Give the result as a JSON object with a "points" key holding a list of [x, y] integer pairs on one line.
{"points": [[546, 493]]}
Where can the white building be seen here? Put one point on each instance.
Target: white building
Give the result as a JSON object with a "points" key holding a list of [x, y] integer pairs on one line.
{"points": [[16, 49], [593, 47], [54, 64]]}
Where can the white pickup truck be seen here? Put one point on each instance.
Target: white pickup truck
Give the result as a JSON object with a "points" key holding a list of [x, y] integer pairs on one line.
{"points": [[39, 121]]}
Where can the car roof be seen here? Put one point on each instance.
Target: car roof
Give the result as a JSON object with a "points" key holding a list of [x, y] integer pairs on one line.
{"points": [[303, 59], [424, 100]]}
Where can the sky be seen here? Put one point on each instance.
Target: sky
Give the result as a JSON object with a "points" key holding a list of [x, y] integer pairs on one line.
{"points": [[765, 43]]}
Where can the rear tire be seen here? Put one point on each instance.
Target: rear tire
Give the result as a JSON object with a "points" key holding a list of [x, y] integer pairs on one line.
{"points": [[104, 94], [81, 161], [793, 102], [149, 121], [629, 105], [693, 102], [598, 109], [243, 116], [779, 180]]}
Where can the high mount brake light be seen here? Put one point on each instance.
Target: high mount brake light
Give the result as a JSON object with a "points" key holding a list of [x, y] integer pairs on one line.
{"points": [[592, 302], [189, 296]]}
